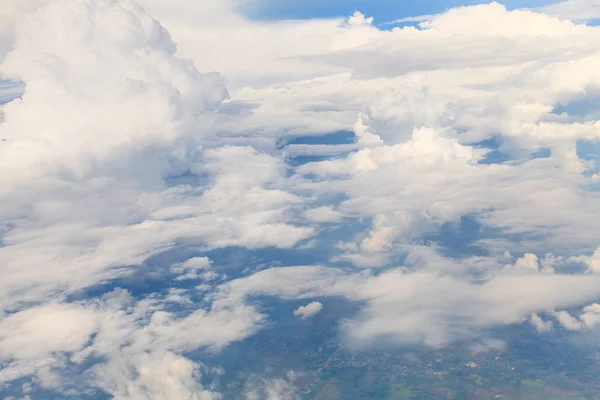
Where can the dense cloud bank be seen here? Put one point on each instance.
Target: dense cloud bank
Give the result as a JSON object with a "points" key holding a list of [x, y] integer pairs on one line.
{"points": [[466, 197]]}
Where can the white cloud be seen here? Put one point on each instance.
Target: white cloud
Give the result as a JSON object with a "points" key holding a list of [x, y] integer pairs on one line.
{"points": [[421, 306], [530, 263], [308, 310], [41, 331], [416, 186], [590, 317], [162, 376], [592, 262], [576, 10], [438, 310], [567, 321], [194, 268], [122, 341], [539, 324], [11, 14], [323, 214], [91, 195], [447, 42], [120, 150], [272, 389]]}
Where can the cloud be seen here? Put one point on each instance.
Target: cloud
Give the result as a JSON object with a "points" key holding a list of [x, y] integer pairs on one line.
{"points": [[323, 214], [567, 321], [120, 342], [541, 325], [194, 268], [153, 376], [309, 310], [39, 332], [588, 319], [93, 195], [576, 10], [592, 262], [591, 316], [458, 310], [416, 186], [421, 306], [11, 15], [272, 389], [462, 47], [471, 116]]}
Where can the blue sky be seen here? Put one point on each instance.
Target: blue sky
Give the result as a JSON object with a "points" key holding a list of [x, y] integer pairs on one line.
{"points": [[381, 10]]}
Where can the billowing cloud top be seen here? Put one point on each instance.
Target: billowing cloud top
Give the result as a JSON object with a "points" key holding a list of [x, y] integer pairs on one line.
{"points": [[442, 176]]}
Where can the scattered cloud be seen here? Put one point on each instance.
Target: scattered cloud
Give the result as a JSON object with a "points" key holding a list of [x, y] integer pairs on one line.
{"points": [[540, 325], [273, 389], [309, 310], [121, 158]]}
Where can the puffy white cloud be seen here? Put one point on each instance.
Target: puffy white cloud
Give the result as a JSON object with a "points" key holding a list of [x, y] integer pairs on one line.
{"points": [[163, 376], [539, 324], [417, 186], [590, 317], [121, 342], [447, 42], [592, 262], [109, 120], [436, 310], [120, 149], [11, 13], [567, 321], [91, 154], [323, 214], [422, 306], [529, 261], [309, 310], [194, 268], [38, 332], [142, 347]]}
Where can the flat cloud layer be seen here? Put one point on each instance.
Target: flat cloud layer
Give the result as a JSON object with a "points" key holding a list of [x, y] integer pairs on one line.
{"points": [[465, 198]]}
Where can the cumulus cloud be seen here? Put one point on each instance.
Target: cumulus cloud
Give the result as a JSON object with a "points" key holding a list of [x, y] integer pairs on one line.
{"points": [[422, 306], [93, 193], [528, 261], [108, 121], [11, 14], [131, 348], [121, 150], [567, 321], [592, 262], [153, 376], [467, 42], [541, 325], [308, 310], [39, 332], [588, 319], [194, 268]]}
